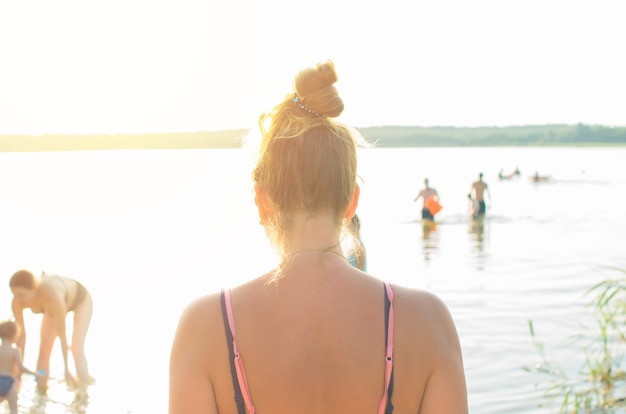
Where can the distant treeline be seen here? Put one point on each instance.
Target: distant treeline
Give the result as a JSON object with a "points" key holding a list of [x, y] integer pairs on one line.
{"points": [[384, 136], [398, 136]]}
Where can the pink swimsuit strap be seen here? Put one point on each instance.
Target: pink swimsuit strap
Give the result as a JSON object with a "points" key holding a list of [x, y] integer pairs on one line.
{"points": [[241, 373], [388, 354]]}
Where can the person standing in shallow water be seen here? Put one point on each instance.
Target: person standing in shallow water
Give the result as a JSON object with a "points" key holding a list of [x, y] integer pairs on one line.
{"points": [[314, 334], [425, 194], [55, 297], [477, 193]]}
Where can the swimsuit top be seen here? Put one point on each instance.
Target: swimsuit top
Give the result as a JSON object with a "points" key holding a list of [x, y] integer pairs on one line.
{"points": [[240, 382]]}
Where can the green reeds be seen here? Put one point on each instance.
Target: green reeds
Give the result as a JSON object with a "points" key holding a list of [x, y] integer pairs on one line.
{"points": [[600, 385]]}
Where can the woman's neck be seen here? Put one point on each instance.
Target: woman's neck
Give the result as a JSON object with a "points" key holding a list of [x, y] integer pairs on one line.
{"points": [[336, 249], [313, 234]]}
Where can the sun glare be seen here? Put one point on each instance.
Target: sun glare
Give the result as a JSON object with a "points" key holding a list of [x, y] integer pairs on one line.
{"points": [[144, 67]]}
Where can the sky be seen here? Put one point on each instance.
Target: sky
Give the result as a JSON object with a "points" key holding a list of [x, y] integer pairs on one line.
{"points": [[144, 66]]}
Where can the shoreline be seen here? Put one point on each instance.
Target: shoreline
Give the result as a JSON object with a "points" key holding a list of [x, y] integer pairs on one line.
{"points": [[380, 137]]}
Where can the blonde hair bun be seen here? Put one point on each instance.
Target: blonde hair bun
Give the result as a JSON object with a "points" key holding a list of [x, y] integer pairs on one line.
{"points": [[315, 88]]}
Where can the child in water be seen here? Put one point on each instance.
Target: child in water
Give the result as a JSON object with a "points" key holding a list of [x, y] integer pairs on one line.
{"points": [[11, 366], [355, 249], [474, 207]]}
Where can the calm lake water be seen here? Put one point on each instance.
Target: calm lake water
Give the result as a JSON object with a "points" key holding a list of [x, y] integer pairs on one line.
{"points": [[150, 230]]}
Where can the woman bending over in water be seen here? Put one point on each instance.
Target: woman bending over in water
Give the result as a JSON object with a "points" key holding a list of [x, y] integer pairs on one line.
{"points": [[55, 297]]}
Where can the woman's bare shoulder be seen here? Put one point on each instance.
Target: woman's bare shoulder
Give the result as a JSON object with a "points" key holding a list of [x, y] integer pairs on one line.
{"points": [[423, 310], [52, 282], [203, 311], [415, 297], [52, 288], [429, 348], [198, 349]]}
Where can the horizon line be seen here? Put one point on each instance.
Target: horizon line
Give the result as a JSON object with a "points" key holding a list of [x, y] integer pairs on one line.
{"points": [[240, 129]]}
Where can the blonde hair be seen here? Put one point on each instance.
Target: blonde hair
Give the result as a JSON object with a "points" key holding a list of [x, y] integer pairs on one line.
{"points": [[307, 162]]}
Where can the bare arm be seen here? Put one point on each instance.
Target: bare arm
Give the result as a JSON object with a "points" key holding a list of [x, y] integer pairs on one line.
{"points": [[17, 357], [190, 388], [418, 195], [446, 390], [18, 314]]}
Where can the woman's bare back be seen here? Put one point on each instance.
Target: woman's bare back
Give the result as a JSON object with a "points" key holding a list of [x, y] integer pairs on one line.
{"points": [[320, 347]]}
